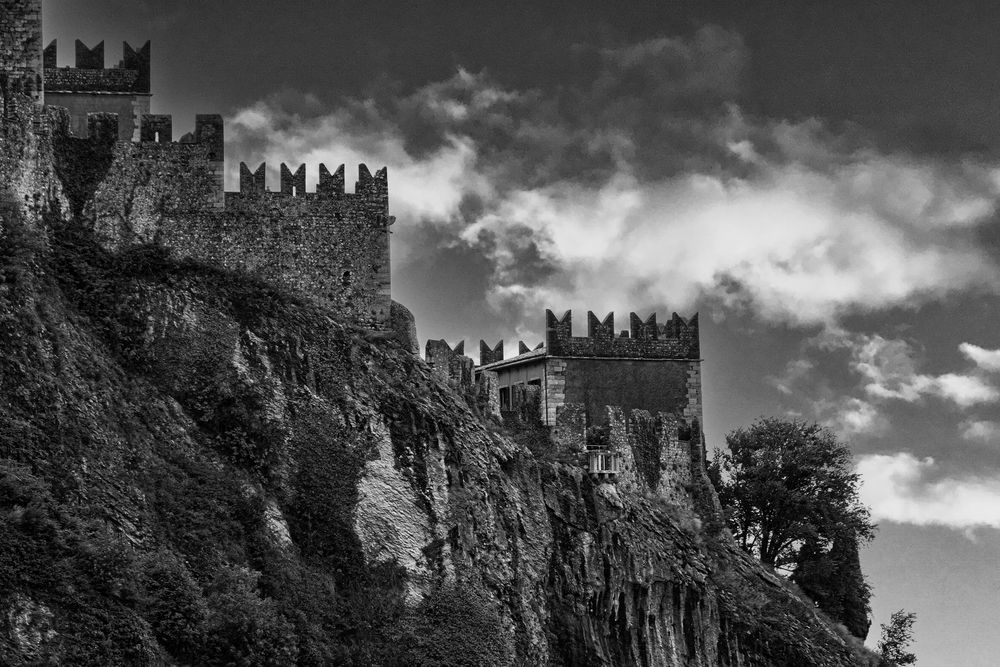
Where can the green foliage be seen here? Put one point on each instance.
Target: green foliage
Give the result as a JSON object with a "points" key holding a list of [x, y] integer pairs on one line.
{"points": [[456, 626], [834, 581], [242, 628], [535, 436], [896, 639], [791, 500], [785, 483], [76, 569], [172, 602]]}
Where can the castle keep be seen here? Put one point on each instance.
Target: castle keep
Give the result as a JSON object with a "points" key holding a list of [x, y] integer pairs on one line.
{"points": [[126, 176]]}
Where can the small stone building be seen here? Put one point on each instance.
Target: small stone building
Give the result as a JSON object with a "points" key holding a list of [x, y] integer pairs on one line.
{"points": [[653, 367], [626, 406]]}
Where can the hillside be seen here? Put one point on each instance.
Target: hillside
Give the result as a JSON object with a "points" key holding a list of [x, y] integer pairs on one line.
{"points": [[197, 468]]}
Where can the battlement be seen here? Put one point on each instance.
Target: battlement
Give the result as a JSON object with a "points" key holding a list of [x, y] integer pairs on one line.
{"points": [[330, 186], [676, 339], [131, 76], [440, 350], [127, 175], [488, 355], [156, 129], [208, 131]]}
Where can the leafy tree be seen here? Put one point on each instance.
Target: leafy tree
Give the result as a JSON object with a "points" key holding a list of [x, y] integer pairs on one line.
{"points": [[896, 638], [787, 483], [833, 580], [791, 500]]}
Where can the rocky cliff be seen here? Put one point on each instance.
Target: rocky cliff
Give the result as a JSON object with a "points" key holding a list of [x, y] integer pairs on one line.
{"points": [[196, 468]]}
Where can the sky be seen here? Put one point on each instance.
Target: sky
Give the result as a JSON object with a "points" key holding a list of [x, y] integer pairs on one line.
{"points": [[818, 180]]}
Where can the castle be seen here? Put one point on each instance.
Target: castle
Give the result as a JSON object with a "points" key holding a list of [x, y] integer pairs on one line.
{"points": [[625, 405], [126, 176]]}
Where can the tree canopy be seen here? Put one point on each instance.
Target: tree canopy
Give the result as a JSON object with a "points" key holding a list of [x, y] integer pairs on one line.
{"points": [[791, 499]]}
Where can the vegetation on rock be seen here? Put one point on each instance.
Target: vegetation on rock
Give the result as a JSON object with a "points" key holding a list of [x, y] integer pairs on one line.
{"points": [[896, 638], [791, 500]]}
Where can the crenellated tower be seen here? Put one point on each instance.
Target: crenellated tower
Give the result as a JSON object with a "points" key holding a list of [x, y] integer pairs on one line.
{"points": [[130, 179], [90, 87], [625, 405]]}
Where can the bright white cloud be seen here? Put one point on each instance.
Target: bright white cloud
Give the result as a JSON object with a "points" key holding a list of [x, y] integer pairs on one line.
{"points": [[852, 417], [904, 489], [964, 390], [988, 360], [889, 368]]}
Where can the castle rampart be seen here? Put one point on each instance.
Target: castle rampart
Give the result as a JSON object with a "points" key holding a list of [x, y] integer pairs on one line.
{"points": [[677, 339], [128, 177]]}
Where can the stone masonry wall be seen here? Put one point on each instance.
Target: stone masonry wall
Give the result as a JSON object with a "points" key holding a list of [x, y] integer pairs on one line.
{"points": [[21, 47], [330, 245], [654, 451], [554, 389], [660, 385], [677, 339], [71, 79], [450, 365], [663, 460]]}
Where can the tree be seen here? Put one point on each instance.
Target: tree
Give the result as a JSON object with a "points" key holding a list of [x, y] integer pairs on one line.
{"points": [[791, 500], [896, 638], [833, 580]]}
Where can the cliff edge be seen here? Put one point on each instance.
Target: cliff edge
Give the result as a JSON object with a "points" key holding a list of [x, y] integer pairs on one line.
{"points": [[198, 468]]}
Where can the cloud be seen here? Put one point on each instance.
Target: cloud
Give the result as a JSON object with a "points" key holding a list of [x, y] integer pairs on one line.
{"points": [[641, 184], [982, 431], [849, 381], [903, 489], [851, 417], [889, 371], [988, 360], [964, 390]]}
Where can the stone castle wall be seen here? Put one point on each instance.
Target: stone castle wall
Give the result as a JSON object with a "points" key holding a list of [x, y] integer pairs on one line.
{"points": [[21, 69], [677, 339], [123, 175], [334, 248]]}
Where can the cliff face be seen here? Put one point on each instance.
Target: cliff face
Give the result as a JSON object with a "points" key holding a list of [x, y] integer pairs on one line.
{"points": [[196, 468]]}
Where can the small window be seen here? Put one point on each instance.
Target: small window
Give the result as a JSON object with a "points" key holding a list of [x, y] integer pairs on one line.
{"points": [[345, 279], [156, 137], [295, 191], [505, 398]]}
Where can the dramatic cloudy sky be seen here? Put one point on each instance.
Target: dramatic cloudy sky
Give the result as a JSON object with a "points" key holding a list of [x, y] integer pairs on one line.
{"points": [[819, 181]]}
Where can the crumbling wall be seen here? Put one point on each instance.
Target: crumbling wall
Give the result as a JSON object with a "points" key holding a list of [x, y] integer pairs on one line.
{"points": [[450, 365], [657, 454]]}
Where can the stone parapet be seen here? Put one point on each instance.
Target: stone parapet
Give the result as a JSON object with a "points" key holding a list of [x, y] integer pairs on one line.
{"points": [[677, 339]]}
